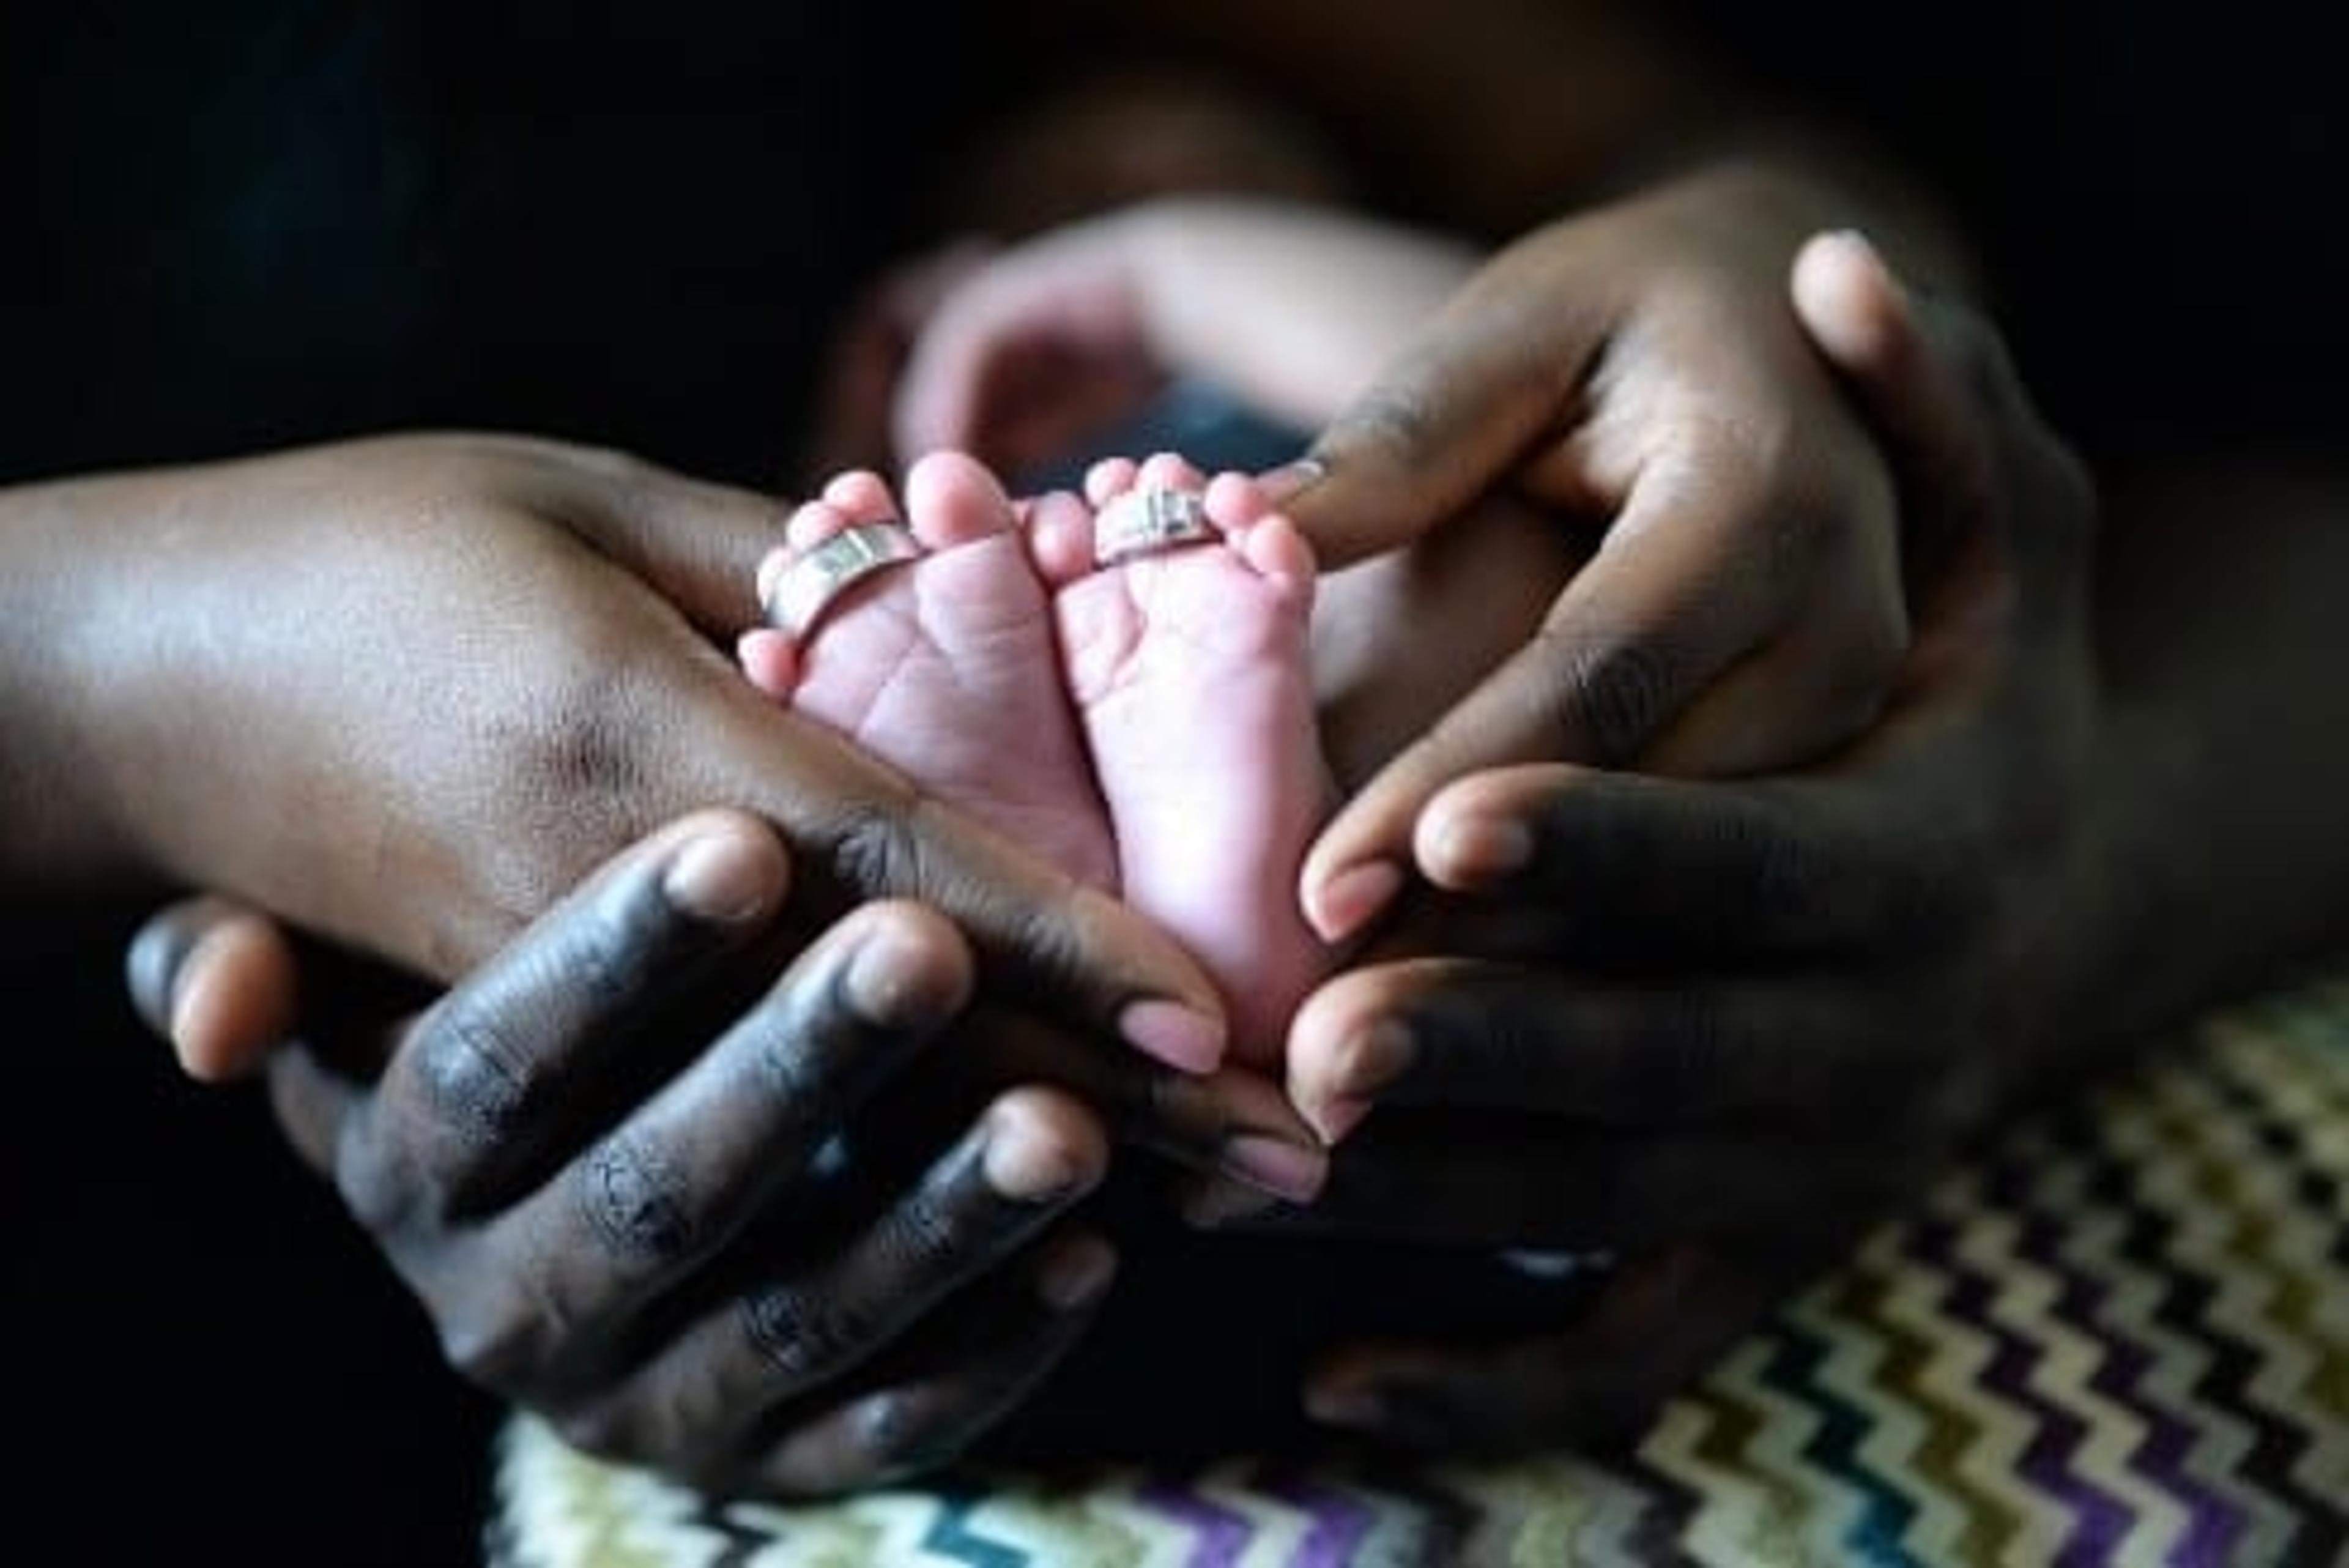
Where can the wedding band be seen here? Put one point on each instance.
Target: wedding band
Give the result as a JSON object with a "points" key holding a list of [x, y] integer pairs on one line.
{"points": [[807, 588], [1150, 518]]}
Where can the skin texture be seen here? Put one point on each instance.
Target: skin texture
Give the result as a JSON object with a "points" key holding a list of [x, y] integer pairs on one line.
{"points": [[1869, 952], [1188, 670], [1943, 919], [1748, 1016], [579, 600], [1166, 748], [621, 1276], [929, 665], [332, 686]]}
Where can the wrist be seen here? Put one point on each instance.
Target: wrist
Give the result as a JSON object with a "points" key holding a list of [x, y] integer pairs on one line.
{"points": [[62, 573]]}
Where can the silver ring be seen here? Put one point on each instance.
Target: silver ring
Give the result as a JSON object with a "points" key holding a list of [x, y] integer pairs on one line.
{"points": [[1149, 518], [809, 586]]}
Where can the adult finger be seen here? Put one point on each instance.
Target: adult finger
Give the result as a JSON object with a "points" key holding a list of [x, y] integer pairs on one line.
{"points": [[1630, 864], [1642, 1050], [1076, 949], [1233, 1122], [1938, 382], [689, 1168], [1454, 412], [803, 1327], [935, 1401], [1695, 576], [217, 981], [483, 1099]]}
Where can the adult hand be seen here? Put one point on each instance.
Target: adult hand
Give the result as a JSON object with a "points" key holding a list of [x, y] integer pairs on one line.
{"points": [[1636, 374], [1719, 1028], [645, 1186], [403, 692]]}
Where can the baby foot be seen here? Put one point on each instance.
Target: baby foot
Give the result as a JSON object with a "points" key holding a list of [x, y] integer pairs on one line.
{"points": [[1189, 665], [946, 666]]}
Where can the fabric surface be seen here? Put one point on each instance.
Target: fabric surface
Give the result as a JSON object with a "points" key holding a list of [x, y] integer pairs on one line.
{"points": [[2122, 1336]]}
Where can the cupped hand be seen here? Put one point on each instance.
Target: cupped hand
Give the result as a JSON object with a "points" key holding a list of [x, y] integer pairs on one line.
{"points": [[769, 1220], [1634, 373], [1716, 1028], [404, 692]]}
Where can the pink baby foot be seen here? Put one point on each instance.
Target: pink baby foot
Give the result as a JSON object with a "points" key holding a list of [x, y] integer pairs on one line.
{"points": [[1189, 665], [945, 667]]}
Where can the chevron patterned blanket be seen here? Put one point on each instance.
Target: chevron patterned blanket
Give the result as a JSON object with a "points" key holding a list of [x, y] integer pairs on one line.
{"points": [[2122, 1336]]}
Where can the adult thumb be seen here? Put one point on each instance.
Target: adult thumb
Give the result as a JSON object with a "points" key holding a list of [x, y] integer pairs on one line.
{"points": [[1450, 416]]}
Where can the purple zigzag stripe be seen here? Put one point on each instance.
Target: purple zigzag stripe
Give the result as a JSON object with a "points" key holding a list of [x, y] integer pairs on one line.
{"points": [[1223, 1534], [2215, 1522], [2045, 1459], [2081, 1301], [1993, 1523], [1340, 1523]]}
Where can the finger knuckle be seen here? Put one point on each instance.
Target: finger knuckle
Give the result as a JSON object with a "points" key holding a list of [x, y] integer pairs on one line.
{"points": [[932, 1227], [896, 1433], [789, 1071], [1609, 695], [804, 1335], [875, 851], [1393, 421], [637, 1203], [475, 1069]]}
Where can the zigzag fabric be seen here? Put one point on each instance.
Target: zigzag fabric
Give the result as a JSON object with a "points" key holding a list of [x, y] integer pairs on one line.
{"points": [[2121, 1337]]}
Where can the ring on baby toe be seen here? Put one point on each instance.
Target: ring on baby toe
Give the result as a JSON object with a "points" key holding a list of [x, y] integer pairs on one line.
{"points": [[810, 586], [1149, 518]]}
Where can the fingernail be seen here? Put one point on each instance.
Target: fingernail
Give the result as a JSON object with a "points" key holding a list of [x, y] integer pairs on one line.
{"points": [[157, 957], [1291, 480], [1336, 1117], [1028, 1169], [1344, 1404], [1179, 1036], [1473, 849], [1372, 1058], [1348, 901], [887, 982], [1861, 246], [1076, 1273], [719, 879], [1283, 1170], [1217, 1200]]}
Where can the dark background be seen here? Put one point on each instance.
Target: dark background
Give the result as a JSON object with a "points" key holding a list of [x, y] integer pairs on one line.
{"points": [[233, 226]]}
